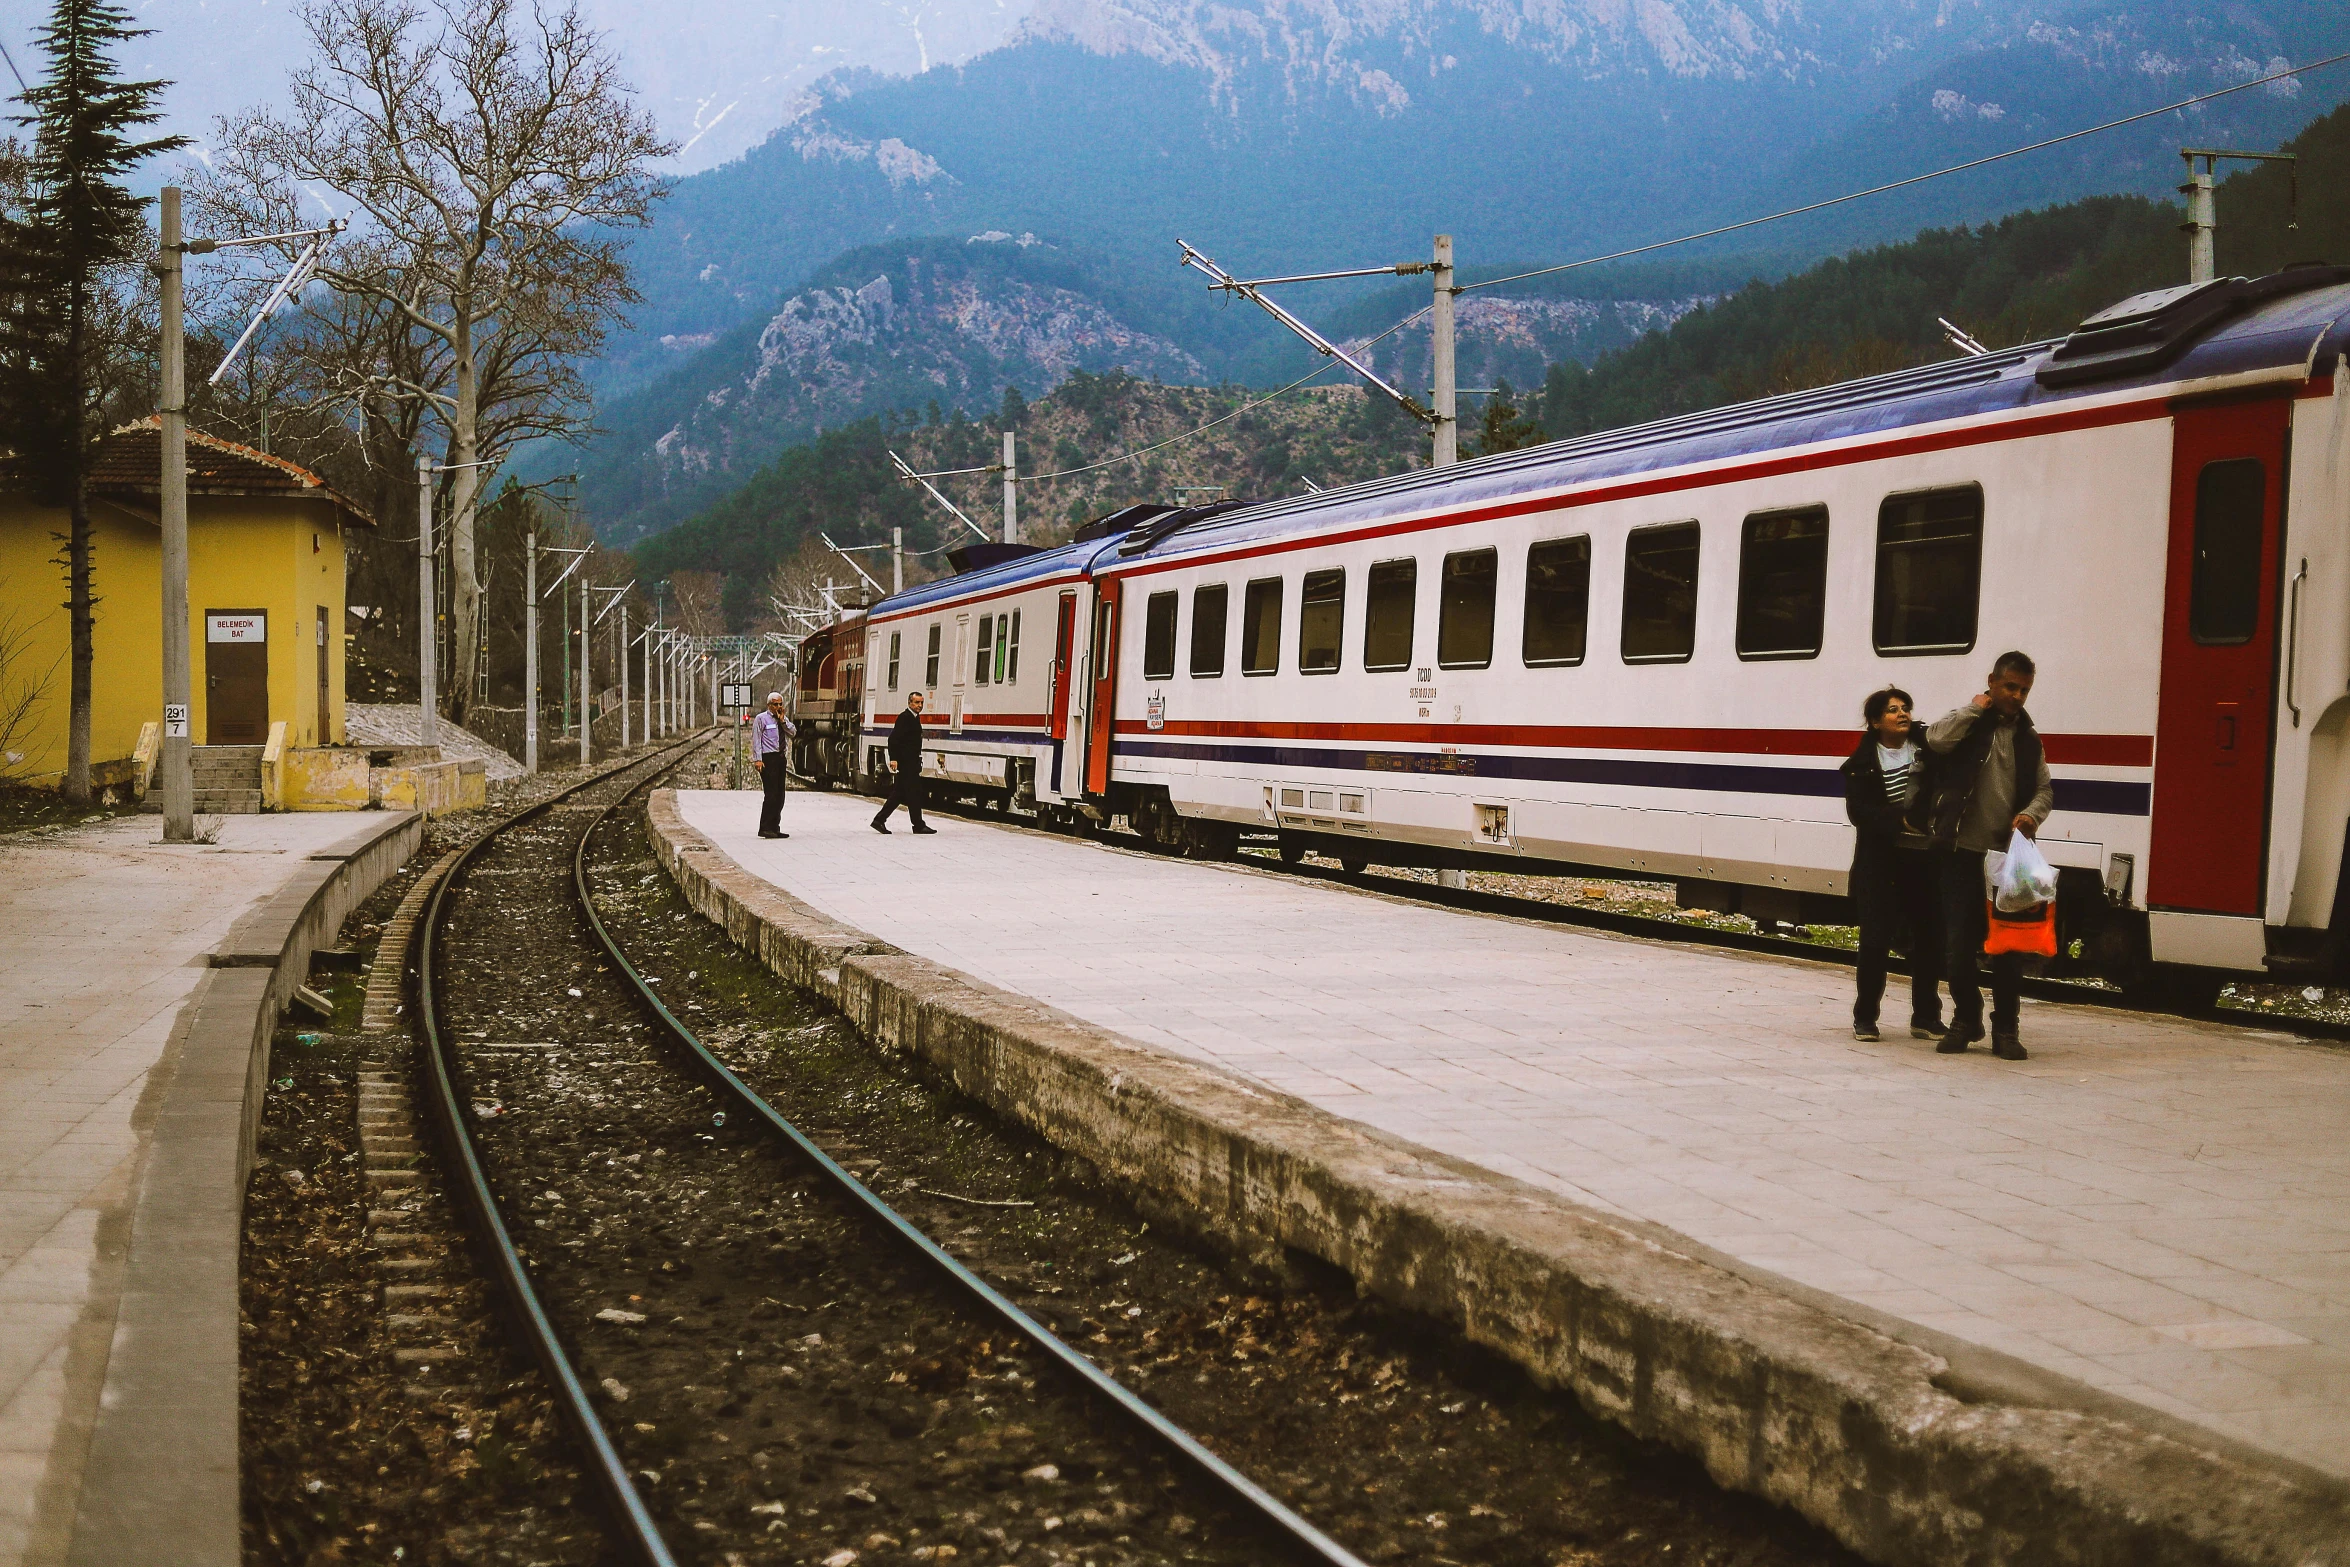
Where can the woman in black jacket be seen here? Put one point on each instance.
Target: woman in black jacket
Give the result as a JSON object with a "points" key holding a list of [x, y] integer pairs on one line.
{"points": [[1885, 796]]}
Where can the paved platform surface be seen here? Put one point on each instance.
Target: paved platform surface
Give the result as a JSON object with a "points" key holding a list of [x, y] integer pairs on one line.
{"points": [[103, 933], [2159, 1209]]}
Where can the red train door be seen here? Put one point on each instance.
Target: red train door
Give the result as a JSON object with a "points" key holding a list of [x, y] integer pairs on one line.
{"points": [[2219, 658], [1063, 635], [1100, 722]]}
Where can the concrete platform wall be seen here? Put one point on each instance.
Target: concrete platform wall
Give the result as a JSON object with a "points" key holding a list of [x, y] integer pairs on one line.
{"points": [[1867, 1436], [161, 1483]]}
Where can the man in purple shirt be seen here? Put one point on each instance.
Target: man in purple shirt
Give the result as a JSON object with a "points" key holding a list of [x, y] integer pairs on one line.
{"points": [[769, 731]]}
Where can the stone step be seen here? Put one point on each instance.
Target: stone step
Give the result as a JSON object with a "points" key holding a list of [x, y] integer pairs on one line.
{"points": [[395, 1178], [414, 1294], [409, 1266], [390, 1160], [424, 1355], [392, 1216], [399, 1240], [227, 802]]}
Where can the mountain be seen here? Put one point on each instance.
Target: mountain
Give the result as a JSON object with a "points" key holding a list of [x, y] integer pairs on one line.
{"points": [[2030, 276], [950, 323], [1287, 134]]}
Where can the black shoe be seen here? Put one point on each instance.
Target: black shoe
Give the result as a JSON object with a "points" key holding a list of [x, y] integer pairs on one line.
{"points": [[881, 827], [1955, 1042], [1928, 1030], [771, 835], [1866, 1033], [925, 829], [2007, 1046]]}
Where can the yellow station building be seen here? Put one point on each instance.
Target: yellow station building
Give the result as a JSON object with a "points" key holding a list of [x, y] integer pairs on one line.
{"points": [[265, 606]]}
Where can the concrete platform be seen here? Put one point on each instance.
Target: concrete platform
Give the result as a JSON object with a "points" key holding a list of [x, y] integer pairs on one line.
{"points": [[124, 1127], [2150, 1208]]}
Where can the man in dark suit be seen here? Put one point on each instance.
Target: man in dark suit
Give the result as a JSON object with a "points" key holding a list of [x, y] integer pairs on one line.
{"points": [[905, 761]]}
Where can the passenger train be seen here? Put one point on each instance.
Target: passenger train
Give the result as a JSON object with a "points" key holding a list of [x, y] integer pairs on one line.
{"points": [[1644, 652]]}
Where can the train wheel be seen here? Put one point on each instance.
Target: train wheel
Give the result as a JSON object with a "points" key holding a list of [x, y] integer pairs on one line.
{"points": [[1353, 867], [1292, 850]]}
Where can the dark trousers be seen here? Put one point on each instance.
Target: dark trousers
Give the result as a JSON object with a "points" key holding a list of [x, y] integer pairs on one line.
{"points": [[905, 789], [1901, 896], [771, 782], [1965, 922]]}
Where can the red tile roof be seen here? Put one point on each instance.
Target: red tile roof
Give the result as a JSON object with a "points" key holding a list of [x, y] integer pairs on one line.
{"points": [[130, 462]]}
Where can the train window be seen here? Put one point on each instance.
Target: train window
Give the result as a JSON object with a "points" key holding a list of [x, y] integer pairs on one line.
{"points": [[1929, 571], [1660, 594], [1207, 629], [1464, 611], [1558, 600], [986, 650], [1158, 637], [930, 667], [2223, 600], [1260, 628], [1007, 650], [1783, 583], [1387, 614], [1321, 621], [893, 658]]}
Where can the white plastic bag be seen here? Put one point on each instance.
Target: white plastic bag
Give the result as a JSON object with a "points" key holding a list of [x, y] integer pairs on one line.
{"points": [[2020, 880]]}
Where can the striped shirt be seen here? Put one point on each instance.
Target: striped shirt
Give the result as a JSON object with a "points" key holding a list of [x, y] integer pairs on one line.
{"points": [[1902, 772]]}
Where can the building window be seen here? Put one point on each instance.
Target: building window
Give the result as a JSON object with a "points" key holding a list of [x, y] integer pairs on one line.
{"points": [[2223, 598], [1388, 602], [1929, 571], [1007, 650], [1558, 600], [1464, 612], [1660, 594], [986, 650], [1321, 621], [1783, 583], [930, 665], [1260, 627], [1207, 629], [894, 638], [1158, 637]]}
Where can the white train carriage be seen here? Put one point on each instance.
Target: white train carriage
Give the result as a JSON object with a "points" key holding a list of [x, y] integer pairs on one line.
{"points": [[1645, 651]]}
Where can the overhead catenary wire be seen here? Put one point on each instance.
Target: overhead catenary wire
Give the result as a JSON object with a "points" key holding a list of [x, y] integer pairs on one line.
{"points": [[1914, 179]]}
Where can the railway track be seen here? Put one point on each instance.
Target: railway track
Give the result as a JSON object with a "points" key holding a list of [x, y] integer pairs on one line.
{"points": [[546, 1144]]}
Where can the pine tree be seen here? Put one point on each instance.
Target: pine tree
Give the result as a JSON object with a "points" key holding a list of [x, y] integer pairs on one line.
{"points": [[1504, 428], [76, 222]]}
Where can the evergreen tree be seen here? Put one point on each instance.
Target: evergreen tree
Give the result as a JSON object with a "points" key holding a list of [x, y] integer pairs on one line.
{"points": [[76, 222], [1503, 427]]}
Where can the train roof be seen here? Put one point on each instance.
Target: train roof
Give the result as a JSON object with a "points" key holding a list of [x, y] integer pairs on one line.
{"points": [[1011, 573], [2235, 326]]}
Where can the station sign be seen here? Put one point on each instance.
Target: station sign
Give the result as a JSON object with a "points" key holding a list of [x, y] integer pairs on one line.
{"points": [[250, 626], [734, 696]]}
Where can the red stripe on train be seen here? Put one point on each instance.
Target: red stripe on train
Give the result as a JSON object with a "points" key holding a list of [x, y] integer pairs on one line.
{"points": [[2064, 749]]}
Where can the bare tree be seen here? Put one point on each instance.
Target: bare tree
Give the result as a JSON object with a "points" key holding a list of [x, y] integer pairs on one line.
{"points": [[490, 156], [697, 603]]}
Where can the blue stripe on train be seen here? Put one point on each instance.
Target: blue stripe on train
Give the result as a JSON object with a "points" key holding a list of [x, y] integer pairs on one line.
{"points": [[2098, 796]]}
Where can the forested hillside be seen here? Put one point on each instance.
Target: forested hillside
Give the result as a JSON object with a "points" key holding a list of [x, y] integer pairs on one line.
{"points": [[2030, 276]]}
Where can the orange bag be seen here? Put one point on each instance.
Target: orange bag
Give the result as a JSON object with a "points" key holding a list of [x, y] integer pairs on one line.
{"points": [[2031, 933]]}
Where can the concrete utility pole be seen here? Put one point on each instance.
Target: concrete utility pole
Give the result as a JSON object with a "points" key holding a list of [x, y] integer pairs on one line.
{"points": [[587, 662], [1440, 356], [530, 652], [428, 630], [1011, 490], [897, 560], [179, 783], [2203, 210], [624, 742]]}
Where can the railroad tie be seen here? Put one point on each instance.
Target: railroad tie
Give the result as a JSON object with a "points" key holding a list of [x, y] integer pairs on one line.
{"points": [[384, 980], [408, 1255]]}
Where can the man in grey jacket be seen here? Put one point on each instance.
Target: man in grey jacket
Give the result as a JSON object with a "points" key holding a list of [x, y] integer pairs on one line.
{"points": [[1990, 781]]}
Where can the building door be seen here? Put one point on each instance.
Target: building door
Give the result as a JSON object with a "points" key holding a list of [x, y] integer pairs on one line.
{"points": [[1100, 723], [325, 701], [2219, 658], [236, 676]]}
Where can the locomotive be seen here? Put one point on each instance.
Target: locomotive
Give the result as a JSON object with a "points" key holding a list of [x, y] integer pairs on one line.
{"points": [[1643, 652]]}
